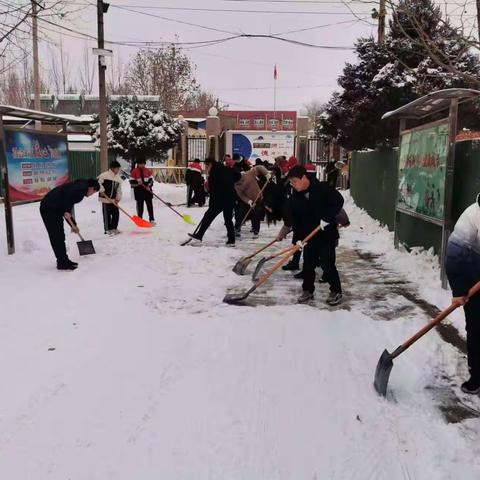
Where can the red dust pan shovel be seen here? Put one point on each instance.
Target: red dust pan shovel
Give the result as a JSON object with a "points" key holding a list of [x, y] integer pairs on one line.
{"points": [[237, 298], [139, 222], [85, 247], [241, 266], [385, 363]]}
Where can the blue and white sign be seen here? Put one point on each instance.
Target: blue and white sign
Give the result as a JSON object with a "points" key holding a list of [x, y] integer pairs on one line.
{"points": [[263, 145]]}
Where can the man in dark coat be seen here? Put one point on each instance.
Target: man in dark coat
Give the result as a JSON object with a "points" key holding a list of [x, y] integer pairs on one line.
{"points": [[221, 185], [312, 204], [56, 206]]}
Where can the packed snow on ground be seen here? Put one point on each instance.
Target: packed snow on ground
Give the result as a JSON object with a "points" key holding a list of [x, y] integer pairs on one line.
{"points": [[132, 367]]}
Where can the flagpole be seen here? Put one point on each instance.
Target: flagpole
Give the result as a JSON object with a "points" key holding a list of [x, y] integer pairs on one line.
{"points": [[275, 92]]}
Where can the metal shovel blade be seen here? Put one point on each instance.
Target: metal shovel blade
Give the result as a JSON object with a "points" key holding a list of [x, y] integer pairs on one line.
{"points": [[237, 298], [382, 373], [85, 247], [258, 268], [241, 265]]}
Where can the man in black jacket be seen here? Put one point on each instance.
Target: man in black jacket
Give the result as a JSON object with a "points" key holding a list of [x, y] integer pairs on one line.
{"points": [[56, 206], [221, 181], [312, 204]]}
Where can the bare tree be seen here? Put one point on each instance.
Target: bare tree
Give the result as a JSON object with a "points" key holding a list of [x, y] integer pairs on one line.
{"points": [[166, 72], [314, 109], [87, 72]]}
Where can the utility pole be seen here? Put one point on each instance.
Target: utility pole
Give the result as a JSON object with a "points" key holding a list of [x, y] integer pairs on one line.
{"points": [[478, 18], [102, 66], [382, 13], [36, 73]]}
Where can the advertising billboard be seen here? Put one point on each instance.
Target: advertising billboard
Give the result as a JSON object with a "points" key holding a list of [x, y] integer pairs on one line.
{"points": [[37, 162], [263, 145]]}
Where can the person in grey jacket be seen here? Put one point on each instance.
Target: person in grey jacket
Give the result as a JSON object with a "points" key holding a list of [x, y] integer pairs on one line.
{"points": [[463, 272]]}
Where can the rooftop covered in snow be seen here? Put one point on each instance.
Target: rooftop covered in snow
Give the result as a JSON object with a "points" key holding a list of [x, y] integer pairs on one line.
{"points": [[45, 117], [432, 103]]}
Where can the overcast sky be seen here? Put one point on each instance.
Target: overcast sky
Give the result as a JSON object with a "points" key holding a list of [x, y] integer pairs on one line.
{"points": [[240, 71]]}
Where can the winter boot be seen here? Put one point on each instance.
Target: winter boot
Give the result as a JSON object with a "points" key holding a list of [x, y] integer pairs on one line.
{"points": [[334, 298], [471, 386], [291, 265], [305, 297], [66, 266], [230, 243], [255, 234]]}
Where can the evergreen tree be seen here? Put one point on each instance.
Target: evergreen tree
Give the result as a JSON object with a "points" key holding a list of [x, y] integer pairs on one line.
{"points": [[134, 131], [390, 75]]}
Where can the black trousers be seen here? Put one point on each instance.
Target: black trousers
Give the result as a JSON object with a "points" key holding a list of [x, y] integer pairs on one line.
{"points": [[110, 216], [53, 221], [463, 272], [213, 211], [196, 192], [255, 216], [320, 248], [149, 202]]}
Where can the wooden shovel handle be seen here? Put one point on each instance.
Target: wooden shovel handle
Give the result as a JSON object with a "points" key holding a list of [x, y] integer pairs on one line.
{"points": [[475, 289], [289, 253], [254, 203], [263, 248], [283, 252], [72, 225]]}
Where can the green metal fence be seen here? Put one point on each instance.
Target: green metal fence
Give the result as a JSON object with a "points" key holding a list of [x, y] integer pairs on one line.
{"points": [[83, 165], [373, 181]]}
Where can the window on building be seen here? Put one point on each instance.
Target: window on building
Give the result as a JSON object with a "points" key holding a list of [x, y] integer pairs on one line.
{"points": [[274, 122], [259, 122], [287, 122], [244, 122]]}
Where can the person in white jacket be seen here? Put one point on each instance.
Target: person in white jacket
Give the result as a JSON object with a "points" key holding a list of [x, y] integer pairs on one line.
{"points": [[110, 194], [463, 272]]}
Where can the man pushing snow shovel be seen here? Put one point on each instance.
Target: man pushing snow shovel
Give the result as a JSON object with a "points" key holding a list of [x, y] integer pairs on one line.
{"points": [[56, 206], [314, 203]]}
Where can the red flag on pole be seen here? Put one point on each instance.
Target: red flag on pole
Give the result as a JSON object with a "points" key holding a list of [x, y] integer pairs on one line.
{"points": [[275, 72]]}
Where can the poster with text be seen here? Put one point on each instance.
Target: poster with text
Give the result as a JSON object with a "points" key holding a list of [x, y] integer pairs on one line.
{"points": [[37, 162], [422, 171], [263, 145]]}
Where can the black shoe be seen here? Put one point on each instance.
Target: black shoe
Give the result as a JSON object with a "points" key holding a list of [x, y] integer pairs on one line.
{"points": [[322, 280], [291, 266], [66, 266], [238, 233], [334, 298], [305, 297], [230, 243], [75, 264], [299, 275], [471, 386]]}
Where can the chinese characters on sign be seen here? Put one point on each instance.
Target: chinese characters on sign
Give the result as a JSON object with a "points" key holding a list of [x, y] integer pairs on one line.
{"points": [[36, 163], [422, 171], [265, 146]]}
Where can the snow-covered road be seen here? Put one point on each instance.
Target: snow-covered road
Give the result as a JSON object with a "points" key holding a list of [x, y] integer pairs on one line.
{"points": [[132, 367]]}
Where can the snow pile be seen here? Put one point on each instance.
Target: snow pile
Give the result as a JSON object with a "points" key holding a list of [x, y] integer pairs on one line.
{"points": [[419, 266]]}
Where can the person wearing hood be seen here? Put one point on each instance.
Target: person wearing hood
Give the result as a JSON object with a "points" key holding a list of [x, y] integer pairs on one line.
{"points": [[462, 266], [248, 191]]}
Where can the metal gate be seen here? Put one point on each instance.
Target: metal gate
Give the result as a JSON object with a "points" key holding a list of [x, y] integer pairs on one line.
{"points": [[196, 148]]}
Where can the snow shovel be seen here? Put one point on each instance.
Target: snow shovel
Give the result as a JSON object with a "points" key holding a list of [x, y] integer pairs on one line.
{"points": [[385, 363], [186, 218], [266, 259], [85, 247], [237, 298], [244, 262], [139, 222]]}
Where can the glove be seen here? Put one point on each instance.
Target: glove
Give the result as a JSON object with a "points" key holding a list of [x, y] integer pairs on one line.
{"points": [[250, 203]]}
